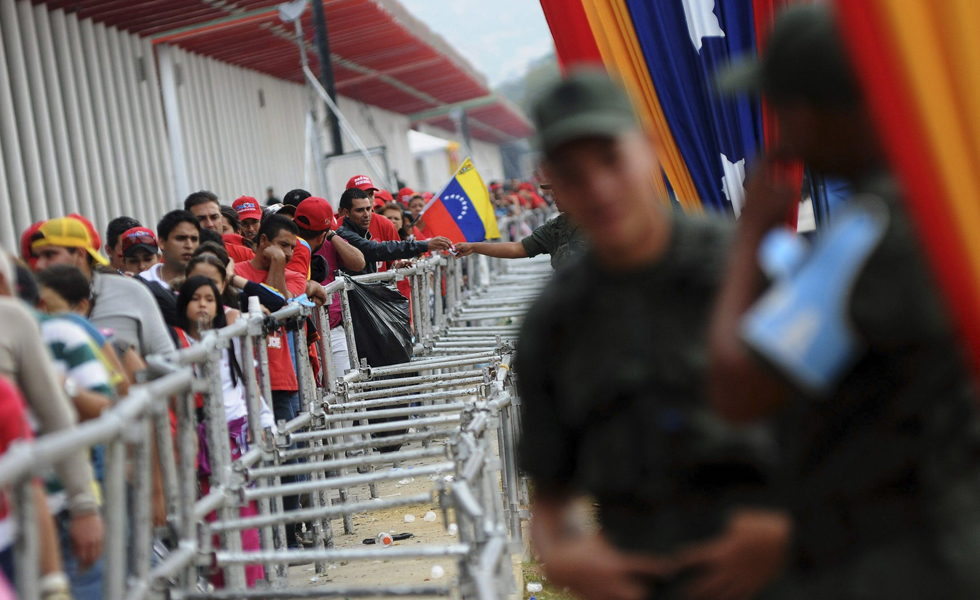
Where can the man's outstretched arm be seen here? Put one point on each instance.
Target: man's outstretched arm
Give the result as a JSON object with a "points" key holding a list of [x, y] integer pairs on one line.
{"points": [[496, 250]]}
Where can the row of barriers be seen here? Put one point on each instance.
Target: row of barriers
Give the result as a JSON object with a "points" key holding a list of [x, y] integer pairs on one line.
{"points": [[458, 389]]}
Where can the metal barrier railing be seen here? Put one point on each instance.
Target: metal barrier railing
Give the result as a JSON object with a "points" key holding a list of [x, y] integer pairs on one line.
{"points": [[458, 388]]}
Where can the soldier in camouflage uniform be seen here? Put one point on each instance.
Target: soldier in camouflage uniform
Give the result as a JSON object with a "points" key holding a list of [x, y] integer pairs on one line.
{"points": [[611, 365], [883, 476]]}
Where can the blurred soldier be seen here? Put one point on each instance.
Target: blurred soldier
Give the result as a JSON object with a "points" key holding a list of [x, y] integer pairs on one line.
{"points": [[611, 367], [854, 343]]}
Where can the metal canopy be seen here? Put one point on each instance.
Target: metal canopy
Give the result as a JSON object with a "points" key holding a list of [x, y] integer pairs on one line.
{"points": [[381, 54]]}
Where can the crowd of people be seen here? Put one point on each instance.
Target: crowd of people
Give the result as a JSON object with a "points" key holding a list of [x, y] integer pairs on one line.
{"points": [[82, 311]]}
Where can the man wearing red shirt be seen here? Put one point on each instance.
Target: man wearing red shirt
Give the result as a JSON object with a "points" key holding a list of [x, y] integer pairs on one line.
{"points": [[275, 243]]}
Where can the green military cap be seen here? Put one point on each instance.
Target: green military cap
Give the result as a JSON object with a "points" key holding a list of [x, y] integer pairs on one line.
{"points": [[586, 103], [805, 60]]}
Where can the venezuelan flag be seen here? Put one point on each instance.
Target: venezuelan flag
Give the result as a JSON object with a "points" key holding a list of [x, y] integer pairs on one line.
{"points": [[462, 212]]}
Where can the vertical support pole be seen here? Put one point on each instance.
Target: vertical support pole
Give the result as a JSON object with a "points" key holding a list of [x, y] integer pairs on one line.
{"points": [[171, 111], [279, 532], [254, 403], [349, 326], [26, 566], [142, 498], [326, 72], [187, 444], [114, 583], [220, 458]]}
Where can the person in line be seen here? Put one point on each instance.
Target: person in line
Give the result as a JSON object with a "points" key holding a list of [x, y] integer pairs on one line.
{"points": [[416, 204], [275, 244], [200, 310], [230, 223], [206, 209], [87, 384], [54, 583], [250, 216], [395, 213], [559, 238], [113, 231], [25, 361], [140, 250], [270, 197], [355, 209], [314, 218], [118, 303], [611, 363], [63, 290], [179, 234], [853, 348]]}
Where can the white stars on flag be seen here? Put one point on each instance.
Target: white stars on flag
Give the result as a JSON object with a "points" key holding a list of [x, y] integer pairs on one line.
{"points": [[463, 204]]}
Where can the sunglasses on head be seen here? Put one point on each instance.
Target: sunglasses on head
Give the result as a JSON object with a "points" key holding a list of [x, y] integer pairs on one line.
{"points": [[138, 238]]}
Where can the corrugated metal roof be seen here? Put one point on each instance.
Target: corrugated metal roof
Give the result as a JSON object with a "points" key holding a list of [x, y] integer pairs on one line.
{"points": [[381, 54]]}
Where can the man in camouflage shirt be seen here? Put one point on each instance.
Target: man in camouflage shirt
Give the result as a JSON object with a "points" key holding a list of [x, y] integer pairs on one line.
{"points": [[610, 369]]}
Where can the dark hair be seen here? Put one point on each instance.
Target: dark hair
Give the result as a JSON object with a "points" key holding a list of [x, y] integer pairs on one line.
{"points": [[216, 249], [27, 289], [294, 197], [69, 283], [117, 227], [200, 198], [184, 296], [232, 215], [273, 224], [347, 198], [211, 236], [229, 297], [172, 219]]}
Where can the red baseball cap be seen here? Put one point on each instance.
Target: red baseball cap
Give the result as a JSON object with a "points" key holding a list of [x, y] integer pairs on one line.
{"points": [[314, 214], [405, 194], [362, 182], [247, 207], [136, 238], [427, 196], [25, 243], [92, 233], [384, 196]]}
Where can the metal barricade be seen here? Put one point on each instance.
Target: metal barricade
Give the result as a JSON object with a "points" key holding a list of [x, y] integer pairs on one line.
{"points": [[458, 388]]}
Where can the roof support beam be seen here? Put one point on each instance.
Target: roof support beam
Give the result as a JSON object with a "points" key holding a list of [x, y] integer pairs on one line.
{"points": [[233, 20], [445, 109]]}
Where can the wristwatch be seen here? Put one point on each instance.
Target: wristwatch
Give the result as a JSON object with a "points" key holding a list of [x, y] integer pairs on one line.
{"points": [[331, 235]]}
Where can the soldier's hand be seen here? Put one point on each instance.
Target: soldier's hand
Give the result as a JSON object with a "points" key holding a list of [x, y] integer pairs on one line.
{"points": [[769, 199], [742, 561], [595, 570], [464, 249], [440, 243]]}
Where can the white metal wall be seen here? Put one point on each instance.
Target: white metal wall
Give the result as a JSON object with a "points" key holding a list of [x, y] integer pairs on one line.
{"points": [[242, 131], [81, 124], [486, 157], [87, 125]]}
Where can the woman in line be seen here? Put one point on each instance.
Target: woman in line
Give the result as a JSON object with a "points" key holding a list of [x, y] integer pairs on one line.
{"points": [[199, 309]]}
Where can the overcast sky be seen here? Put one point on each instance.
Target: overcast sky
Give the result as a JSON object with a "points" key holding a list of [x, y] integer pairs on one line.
{"points": [[500, 37]]}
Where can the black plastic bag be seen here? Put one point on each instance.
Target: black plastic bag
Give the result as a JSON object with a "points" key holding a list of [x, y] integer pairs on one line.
{"points": [[383, 334], [382, 331]]}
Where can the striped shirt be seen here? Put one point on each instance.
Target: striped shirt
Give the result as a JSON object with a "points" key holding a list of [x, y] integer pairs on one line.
{"points": [[75, 354]]}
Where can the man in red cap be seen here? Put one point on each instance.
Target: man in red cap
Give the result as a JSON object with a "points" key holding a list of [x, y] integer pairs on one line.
{"points": [[314, 219], [382, 197], [249, 214], [404, 195], [139, 249], [364, 183]]}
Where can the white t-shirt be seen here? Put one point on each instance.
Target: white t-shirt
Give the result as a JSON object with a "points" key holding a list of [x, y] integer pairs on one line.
{"points": [[153, 274]]}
